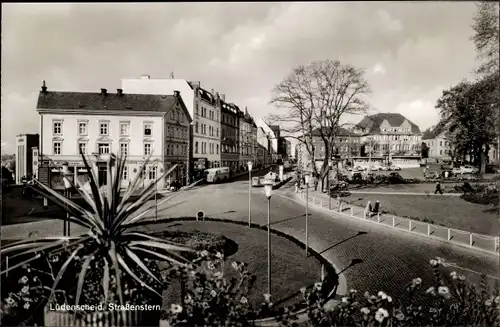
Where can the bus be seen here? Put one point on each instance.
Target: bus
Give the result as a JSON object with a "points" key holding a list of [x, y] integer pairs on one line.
{"points": [[217, 175]]}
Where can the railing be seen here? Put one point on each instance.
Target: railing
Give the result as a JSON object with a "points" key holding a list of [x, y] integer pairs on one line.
{"points": [[486, 243]]}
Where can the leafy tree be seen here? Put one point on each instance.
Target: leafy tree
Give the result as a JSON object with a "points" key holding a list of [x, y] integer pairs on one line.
{"points": [[424, 152], [315, 97], [486, 36]]}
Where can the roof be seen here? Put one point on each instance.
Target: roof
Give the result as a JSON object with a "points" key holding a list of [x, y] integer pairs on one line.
{"points": [[111, 101], [340, 132], [204, 94], [231, 107], [373, 122], [428, 135]]}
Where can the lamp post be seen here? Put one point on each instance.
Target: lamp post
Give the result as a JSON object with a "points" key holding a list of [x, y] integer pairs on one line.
{"points": [[307, 177], [250, 165], [67, 186], [268, 189]]}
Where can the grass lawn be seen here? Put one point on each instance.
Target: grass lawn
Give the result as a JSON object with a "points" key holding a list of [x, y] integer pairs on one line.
{"points": [[449, 211], [291, 270], [412, 188]]}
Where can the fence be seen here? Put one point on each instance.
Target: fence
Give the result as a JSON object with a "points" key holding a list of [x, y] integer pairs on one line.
{"points": [[480, 242]]}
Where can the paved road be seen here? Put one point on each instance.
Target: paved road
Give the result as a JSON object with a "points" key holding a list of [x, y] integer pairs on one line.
{"points": [[390, 259]]}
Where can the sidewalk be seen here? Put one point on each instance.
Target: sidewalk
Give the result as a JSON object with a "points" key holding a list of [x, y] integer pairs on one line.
{"points": [[403, 193], [485, 243]]}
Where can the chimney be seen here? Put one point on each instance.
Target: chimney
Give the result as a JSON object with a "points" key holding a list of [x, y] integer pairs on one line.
{"points": [[104, 91], [145, 77], [119, 91], [177, 93], [223, 97], [44, 87]]}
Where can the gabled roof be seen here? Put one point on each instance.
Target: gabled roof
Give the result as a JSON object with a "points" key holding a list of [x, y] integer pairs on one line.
{"points": [[373, 122], [231, 107], [88, 101], [432, 134]]}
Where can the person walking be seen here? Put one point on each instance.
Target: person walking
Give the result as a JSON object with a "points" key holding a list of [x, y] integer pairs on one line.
{"points": [[438, 189], [296, 187]]}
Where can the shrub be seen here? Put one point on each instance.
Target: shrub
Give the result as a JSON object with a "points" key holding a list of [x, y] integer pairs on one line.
{"points": [[210, 300], [482, 198]]}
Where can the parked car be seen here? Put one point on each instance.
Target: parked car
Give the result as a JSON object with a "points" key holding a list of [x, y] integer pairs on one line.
{"points": [[386, 168], [465, 170], [431, 175], [395, 168], [358, 168], [374, 168]]}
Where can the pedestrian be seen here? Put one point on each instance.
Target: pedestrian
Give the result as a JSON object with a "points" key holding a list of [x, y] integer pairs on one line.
{"points": [[438, 188], [296, 187]]}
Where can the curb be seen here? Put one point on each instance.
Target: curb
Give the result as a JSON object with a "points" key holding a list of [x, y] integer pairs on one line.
{"points": [[300, 315], [344, 215]]}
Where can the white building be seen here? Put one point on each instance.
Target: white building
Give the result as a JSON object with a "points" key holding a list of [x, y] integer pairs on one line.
{"points": [[247, 139], [203, 108], [98, 124], [267, 132], [25, 145]]}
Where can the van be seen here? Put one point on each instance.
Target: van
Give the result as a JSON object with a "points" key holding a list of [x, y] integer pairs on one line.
{"points": [[217, 175]]}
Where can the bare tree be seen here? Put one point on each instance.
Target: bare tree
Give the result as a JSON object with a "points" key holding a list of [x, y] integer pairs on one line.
{"points": [[314, 98]]}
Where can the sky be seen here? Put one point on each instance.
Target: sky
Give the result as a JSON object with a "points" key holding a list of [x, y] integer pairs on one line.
{"points": [[410, 51]]}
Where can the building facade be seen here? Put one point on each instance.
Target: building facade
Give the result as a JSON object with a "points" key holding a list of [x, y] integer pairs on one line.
{"points": [[25, 145], [202, 106], [439, 146], [267, 137], [137, 126], [247, 139], [386, 134], [230, 127]]}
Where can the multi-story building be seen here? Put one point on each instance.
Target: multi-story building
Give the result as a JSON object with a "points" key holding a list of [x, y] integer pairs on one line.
{"points": [[230, 126], [100, 124], [390, 133], [264, 142], [346, 145], [247, 139], [439, 145], [267, 137], [25, 145], [203, 107], [263, 157]]}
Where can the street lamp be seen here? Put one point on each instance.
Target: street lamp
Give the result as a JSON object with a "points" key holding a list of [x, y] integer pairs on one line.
{"points": [[250, 165], [306, 178], [268, 189]]}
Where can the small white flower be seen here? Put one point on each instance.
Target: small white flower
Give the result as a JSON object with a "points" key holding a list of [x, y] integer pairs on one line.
{"points": [[389, 299], [365, 310], [431, 290], [318, 286], [213, 293], [382, 295], [345, 299], [417, 281], [55, 258], [497, 300], [234, 265], [23, 280], [433, 263], [453, 275], [188, 299], [461, 277], [353, 291], [25, 289], [381, 314], [303, 290], [199, 290], [175, 308], [205, 305], [267, 297], [26, 306], [243, 300], [400, 316], [444, 291], [219, 255], [10, 301], [487, 303], [204, 253], [211, 265]]}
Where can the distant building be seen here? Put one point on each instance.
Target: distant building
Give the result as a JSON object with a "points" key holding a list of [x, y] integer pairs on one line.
{"points": [[247, 139], [272, 139], [99, 124], [439, 145], [230, 126], [25, 143]]}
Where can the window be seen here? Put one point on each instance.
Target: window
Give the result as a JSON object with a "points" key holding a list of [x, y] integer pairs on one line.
{"points": [[197, 110], [82, 148], [103, 148], [440, 143], [57, 127], [177, 150], [147, 149], [217, 116], [125, 173], [124, 129], [196, 127], [148, 129], [196, 147], [103, 128], [217, 131], [152, 173], [123, 149], [82, 128], [57, 147]]}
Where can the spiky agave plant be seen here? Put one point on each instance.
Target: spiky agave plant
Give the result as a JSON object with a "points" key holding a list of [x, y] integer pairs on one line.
{"points": [[113, 237]]}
